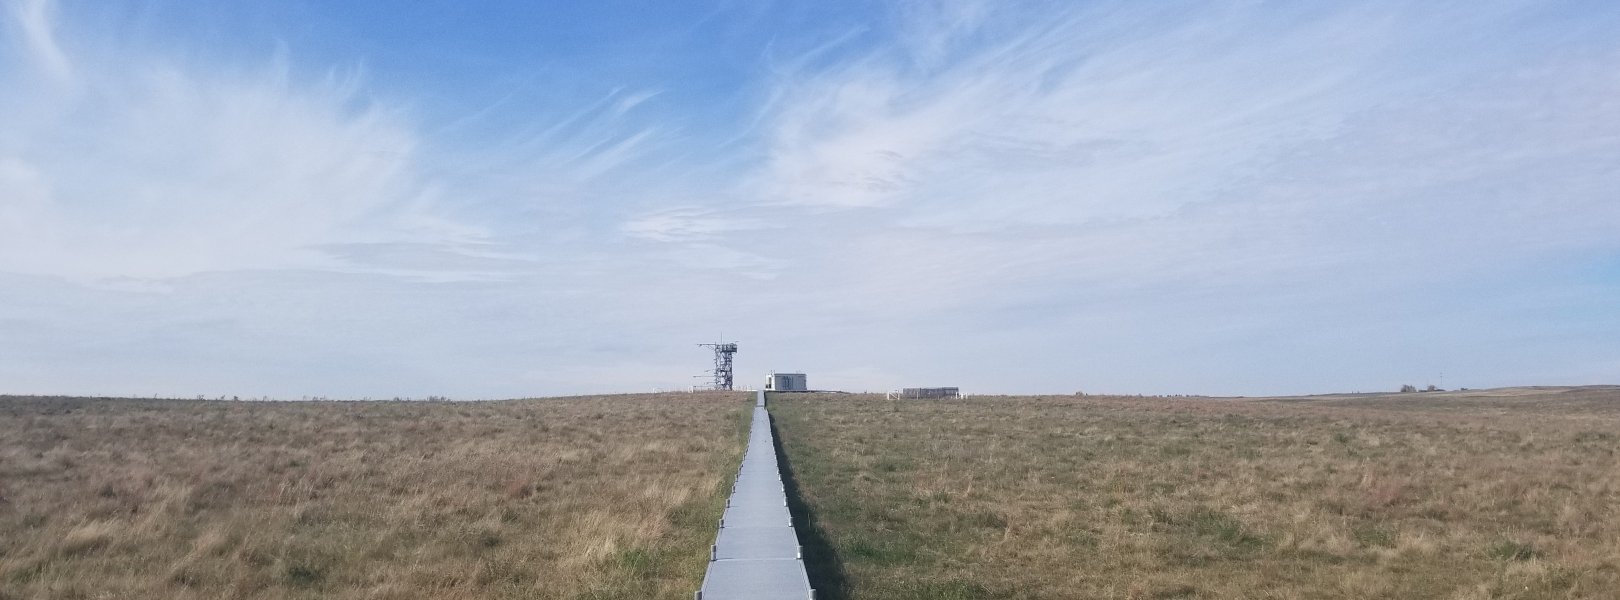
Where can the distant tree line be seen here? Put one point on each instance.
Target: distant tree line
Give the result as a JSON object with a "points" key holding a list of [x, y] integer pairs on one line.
{"points": [[1409, 388]]}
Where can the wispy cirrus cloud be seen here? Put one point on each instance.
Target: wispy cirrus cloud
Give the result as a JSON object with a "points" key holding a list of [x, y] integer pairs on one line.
{"points": [[124, 161], [1116, 170], [34, 26], [118, 162], [1089, 99], [1219, 129], [1226, 197], [690, 224]]}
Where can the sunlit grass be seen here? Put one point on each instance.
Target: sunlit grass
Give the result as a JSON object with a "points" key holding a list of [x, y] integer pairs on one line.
{"points": [[1410, 496], [604, 497]]}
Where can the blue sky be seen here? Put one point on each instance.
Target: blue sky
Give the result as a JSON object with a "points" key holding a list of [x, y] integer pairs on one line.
{"points": [[496, 199]]}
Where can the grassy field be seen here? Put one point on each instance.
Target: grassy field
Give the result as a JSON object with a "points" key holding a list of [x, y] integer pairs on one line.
{"points": [[1468, 495], [590, 498]]}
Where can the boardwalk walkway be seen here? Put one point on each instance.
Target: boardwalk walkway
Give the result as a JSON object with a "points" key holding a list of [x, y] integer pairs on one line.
{"points": [[756, 555]]}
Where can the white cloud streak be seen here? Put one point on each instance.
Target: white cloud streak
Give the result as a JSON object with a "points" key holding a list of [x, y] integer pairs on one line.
{"points": [[1205, 137], [124, 164], [1124, 170], [33, 23], [1213, 197]]}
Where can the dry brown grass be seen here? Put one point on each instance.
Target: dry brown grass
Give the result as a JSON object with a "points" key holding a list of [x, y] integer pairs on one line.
{"points": [[604, 497], [1456, 496]]}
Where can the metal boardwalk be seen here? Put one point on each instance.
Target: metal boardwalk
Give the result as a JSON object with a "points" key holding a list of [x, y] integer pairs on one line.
{"points": [[757, 555]]}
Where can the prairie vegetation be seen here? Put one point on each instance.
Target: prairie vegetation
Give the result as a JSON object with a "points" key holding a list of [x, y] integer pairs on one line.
{"points": [[1460, 495], [601, 497]]}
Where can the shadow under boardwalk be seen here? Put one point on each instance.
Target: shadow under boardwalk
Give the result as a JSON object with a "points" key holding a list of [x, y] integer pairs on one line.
{"points": [[821, 561]]}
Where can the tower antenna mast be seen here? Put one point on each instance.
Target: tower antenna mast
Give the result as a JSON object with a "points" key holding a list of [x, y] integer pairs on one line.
{"points": [[722, 363]]}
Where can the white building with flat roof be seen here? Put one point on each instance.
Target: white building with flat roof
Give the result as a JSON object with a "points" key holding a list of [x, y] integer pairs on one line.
{"points": [[787, 382], [927, 393]]}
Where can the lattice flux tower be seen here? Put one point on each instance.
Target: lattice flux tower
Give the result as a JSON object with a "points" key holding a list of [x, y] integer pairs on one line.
{"points": [[722, 363]]}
